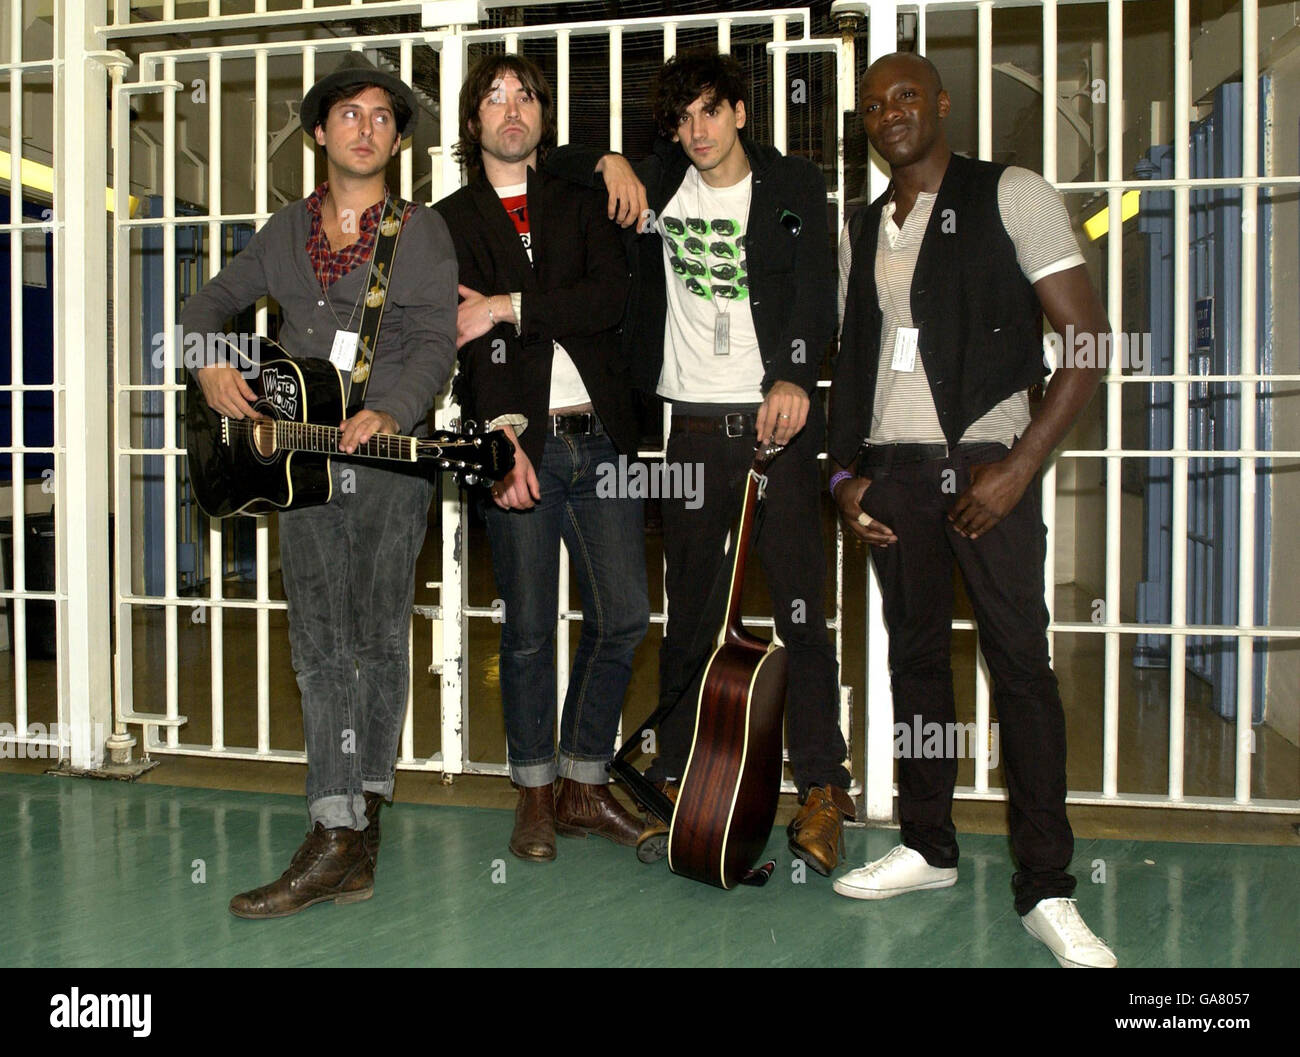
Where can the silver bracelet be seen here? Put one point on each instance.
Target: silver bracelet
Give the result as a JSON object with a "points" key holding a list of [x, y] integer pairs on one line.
{"points": [[491, 318]]}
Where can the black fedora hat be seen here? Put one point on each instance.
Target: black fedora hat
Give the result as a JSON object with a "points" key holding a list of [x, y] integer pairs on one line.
{"points": [[355, 69]]}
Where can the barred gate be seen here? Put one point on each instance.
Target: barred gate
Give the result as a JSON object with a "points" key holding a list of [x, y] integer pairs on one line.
{"points": [[88, 66]]}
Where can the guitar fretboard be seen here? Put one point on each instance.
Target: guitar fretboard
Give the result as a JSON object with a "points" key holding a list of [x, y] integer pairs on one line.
{"points": [[304, 436]]}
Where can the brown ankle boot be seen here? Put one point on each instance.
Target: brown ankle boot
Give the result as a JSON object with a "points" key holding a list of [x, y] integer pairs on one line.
{"points": [[533, 838], [582, 809], [374, 801], [330, 864], [817, 831]]}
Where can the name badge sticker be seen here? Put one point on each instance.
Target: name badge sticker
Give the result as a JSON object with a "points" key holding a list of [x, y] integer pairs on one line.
{"points": [[905, 342], [344, 353]]}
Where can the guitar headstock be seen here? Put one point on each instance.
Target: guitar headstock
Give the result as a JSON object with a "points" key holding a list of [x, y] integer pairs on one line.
{"points": [[473, 456], [764, 453]]}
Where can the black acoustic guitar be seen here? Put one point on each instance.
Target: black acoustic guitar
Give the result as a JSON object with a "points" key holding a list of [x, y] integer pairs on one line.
{"points": [[727, 800], [281, 459]]}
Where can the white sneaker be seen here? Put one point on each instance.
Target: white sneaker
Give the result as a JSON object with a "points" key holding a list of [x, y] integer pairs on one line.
{"points": [[1057, 924], [902, 870]]}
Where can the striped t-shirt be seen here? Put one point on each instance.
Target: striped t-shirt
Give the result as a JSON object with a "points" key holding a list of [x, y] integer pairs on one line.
{"points": [[1035, 218]]}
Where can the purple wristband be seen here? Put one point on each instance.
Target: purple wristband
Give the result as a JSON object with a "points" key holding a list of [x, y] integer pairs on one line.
{"points": [[836, 478]]}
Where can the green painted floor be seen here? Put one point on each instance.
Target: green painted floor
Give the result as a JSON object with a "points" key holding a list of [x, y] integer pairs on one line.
{"points": [[103, 874]]}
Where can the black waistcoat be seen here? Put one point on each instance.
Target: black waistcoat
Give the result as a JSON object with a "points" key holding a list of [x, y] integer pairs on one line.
{"points": [[980, 322]]}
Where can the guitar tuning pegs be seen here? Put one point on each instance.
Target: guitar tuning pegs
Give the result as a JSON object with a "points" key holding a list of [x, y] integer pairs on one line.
{"points": [[471, 479]]}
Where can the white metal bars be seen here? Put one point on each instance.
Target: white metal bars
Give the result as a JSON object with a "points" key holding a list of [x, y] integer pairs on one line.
{"points": [[453, 45], [780, 46], [1113, 452], [78, 193]]}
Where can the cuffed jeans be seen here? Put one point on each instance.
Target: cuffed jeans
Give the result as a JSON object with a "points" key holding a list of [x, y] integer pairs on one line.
{"points": [[349, 576], [789, 546], [604, 534], [1003, 571]]}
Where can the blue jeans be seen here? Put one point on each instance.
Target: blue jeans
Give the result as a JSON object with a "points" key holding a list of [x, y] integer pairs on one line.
{"points": [[349, 576], [606, 543]]}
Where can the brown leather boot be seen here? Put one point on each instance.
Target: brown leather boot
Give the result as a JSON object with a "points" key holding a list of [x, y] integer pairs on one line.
{"points": [[817, 831], [374, 801], [330, 864], [652, 845], [533, 838], [582, 809]]}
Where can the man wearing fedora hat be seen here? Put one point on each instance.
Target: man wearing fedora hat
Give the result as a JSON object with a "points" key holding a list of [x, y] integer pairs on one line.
{"points": [[348, 565]]}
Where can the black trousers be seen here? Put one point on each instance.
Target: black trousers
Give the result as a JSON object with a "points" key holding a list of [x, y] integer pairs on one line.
{"points": [[1003, 571], [789, 548]]}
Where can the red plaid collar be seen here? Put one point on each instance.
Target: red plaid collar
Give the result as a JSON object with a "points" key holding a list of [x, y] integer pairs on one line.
{"points": [[329, 266]]}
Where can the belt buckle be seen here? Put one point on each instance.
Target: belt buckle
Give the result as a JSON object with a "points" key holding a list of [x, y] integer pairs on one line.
{"points": [[739, 423]]}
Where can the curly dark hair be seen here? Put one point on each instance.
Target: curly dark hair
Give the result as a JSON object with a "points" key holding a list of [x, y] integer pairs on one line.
{"points": [[686, 77], [478, 83]]}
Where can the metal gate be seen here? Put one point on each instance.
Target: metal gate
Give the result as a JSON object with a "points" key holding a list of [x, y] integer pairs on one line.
{"points": [[87, 67], [1214, 486]]}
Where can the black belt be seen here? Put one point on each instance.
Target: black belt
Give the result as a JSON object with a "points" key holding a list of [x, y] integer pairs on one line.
{"points": [[737, 424], [579, 424], [876, 455]]}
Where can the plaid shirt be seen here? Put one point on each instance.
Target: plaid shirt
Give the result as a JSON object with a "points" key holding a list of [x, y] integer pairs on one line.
{"points": [[329, 266]]}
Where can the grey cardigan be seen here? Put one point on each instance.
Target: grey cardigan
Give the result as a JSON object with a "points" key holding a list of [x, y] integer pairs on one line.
{"points": [[417, 340]]}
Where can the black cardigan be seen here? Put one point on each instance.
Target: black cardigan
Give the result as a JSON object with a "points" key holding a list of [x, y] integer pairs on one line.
{"points": [[573, 292]]}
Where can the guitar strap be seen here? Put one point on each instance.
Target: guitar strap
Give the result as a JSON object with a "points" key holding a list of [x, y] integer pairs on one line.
{"points": [[376, 294]]}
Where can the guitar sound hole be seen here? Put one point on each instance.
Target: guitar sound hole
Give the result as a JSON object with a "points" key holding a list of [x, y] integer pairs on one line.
{"points": [[264, 438]]}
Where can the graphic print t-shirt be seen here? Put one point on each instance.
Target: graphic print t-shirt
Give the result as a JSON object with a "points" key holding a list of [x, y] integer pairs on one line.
{"points": [[703, 234], [567, 388]]}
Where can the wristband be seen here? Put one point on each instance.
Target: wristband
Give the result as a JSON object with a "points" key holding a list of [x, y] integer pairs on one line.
{"points": [[836, 478], [491, 318]]}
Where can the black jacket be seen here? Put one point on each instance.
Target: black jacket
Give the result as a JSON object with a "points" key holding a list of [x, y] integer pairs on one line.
{"points": [[790, 261], [574, 292]]}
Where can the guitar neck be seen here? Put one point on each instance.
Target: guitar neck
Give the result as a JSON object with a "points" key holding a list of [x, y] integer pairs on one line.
{"points": [[304, 436], [735, 630]]}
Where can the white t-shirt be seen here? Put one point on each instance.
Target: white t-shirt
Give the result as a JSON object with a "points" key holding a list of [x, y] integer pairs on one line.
{"points": [[703, 234], [567, 387], [1036, 220]]}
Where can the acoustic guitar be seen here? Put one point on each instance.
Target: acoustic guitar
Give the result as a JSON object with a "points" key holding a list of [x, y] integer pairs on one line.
{"points": [[727, 800], [281, 460]]}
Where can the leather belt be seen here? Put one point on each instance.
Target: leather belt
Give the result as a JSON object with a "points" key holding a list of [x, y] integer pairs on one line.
{"points": [[874, 455], [737, 424], [579, 424]]}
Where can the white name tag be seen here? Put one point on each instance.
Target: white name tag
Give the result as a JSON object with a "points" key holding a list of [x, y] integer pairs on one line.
{"points": [[344, 353], [905, 339]]}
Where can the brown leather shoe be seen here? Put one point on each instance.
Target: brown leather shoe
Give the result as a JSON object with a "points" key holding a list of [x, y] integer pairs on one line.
{"points": [[330, 864], [817, 831], [582, 809], [374, 801], [533, 838], [652, 845]]}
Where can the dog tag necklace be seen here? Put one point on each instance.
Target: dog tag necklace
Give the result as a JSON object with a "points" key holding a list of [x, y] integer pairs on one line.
{"points": [[722, 319]]}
